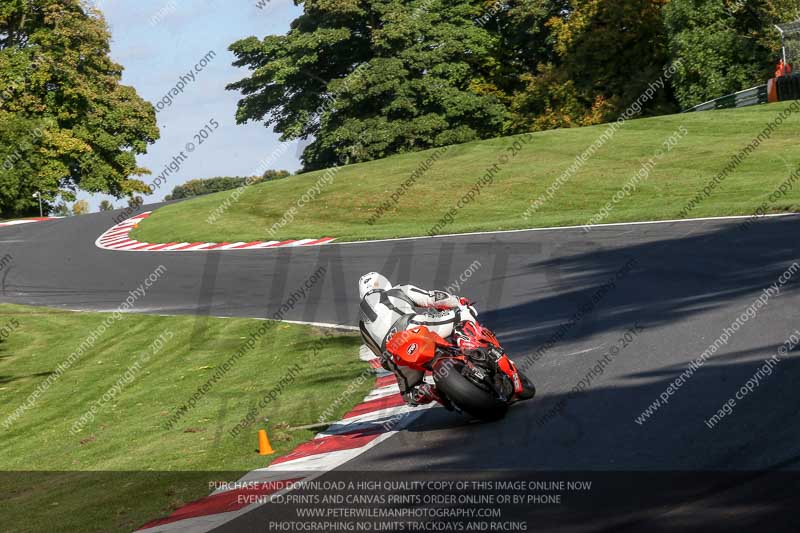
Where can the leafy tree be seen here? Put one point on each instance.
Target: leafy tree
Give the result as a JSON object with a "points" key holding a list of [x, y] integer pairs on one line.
{"points": [[61, 210], [198, 187], [597, 59], [81, 207], [524, 55], [726, 46], [21, 157], [371, 78], [271, 174], [135, 202], [105, 205], [60, 91]]}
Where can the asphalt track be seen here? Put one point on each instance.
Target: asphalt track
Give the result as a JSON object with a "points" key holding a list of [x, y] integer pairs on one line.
{"points": [[684, 283]]}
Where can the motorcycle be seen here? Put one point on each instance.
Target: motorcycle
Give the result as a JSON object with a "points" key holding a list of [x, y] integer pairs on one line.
{"points": [[476, 376]]}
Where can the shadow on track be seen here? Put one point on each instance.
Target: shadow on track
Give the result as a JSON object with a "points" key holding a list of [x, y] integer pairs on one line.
{"points": [[683, 291], [673, 279]]}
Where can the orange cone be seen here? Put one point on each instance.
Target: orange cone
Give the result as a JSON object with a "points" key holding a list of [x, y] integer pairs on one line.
{"points": [[264, 447]]}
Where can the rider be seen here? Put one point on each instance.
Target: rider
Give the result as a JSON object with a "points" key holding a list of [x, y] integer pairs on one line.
{"points": [[385, 310]]}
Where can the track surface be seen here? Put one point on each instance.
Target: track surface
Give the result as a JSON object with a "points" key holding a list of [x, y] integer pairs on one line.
{"points": [[689, 281]]}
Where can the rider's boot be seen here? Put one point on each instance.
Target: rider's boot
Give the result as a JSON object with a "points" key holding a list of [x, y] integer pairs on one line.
{"points": [[425, 394]]}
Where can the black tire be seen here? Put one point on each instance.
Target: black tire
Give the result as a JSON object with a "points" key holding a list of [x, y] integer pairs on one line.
{"points": [[528, 388], [465, 395]]}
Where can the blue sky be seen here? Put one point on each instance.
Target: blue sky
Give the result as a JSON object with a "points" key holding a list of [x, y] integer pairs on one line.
{"points": [[158, 41]]}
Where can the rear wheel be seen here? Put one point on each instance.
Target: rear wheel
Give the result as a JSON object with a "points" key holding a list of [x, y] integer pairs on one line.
{"points": [[466, 395]]}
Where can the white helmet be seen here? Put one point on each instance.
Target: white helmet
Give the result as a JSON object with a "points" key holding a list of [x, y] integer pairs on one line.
{"points": [[371, 282]]}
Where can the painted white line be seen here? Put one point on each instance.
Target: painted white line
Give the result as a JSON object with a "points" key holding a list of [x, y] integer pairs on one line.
{"points": [[232, 245], [113, 234], [17, 222], [383, 392], [150, 247], [316, 464], [115, 242], [367, 356], [323, 462], [260, 245], [124, 227], [319, 324], [133, 244], [561, 228], [317, 468], [121, 244], [198, 524], [139, 311], [120, 233], [168, 248], [328, 461], [112, 240], [198, 247], [347, 424], [389, 413], [583, 351]]}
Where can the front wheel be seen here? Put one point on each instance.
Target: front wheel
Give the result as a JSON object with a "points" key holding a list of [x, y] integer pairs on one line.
{"points": [[528, 389], [448, 374]]}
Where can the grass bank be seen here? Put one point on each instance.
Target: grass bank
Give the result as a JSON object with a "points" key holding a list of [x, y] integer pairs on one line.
{"points": [[122, 466], [344, 203]]}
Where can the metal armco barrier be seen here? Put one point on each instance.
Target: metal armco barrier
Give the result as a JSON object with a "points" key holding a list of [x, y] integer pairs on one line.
{"points": [[748, 97]]}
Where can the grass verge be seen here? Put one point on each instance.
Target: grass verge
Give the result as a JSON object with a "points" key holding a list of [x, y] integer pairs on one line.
{"points": [[342, 208], [124, 468]]}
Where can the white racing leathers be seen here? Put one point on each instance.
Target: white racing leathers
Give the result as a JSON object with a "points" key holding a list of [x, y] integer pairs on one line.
{"points": [[384, 313]]}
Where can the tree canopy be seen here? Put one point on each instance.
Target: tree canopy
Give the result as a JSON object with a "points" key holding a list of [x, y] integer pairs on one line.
{"points": [[372, 78], [199, 187], [726, 46], [66, 121], [369, 78]]}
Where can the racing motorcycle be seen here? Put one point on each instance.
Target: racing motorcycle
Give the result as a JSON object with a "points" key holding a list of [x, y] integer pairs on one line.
{"points": [[476, 376]]}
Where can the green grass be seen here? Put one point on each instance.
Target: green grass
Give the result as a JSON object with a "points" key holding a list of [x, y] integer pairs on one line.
{"points": [[342, 209], [125, 468]]}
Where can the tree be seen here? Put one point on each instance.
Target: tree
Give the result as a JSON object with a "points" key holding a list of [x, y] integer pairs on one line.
{"points": [[21, 157], [135, 202], [271, 174], [105, 205], [523, 54], [60, 93], [198, 187], [81, 207], [369, 78], [597, 59], [61, 210], [726, 46], [373, 78]]}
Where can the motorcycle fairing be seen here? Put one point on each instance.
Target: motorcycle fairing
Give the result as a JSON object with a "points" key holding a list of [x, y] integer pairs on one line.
{"points": [[415, 347]]}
